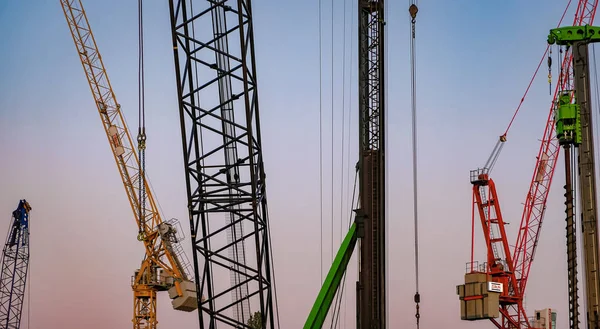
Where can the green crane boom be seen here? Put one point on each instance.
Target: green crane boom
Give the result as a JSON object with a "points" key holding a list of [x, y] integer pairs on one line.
{"points": [[321, 307]]}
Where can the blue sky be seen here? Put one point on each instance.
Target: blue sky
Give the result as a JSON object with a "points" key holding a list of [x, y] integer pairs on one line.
{"points": [[475, 59]]}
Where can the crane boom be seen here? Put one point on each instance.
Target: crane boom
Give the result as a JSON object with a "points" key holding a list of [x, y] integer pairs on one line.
{"points": [[332, 282], [164, 266], [15, 263]]}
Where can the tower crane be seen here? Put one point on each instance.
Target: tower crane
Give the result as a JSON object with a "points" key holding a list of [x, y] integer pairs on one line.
{"points": [[165, 266], [15, 264], [495, 289], [575, 128]]}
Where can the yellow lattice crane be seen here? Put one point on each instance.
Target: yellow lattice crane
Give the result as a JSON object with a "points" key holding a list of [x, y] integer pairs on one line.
{"points": [[165, 267]]}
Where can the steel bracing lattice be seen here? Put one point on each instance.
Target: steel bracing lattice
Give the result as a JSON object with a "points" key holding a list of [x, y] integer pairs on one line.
{"points": [[371, 292], [218, 106], [15, 263], [371, 95]]}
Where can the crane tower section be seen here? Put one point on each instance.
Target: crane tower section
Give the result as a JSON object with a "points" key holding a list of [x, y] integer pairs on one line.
{"points": [[15, 263], [225, 179], [371, 289]]}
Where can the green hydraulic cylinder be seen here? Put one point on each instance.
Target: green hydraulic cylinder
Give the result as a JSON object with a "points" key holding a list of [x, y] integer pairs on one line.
{"points": [[319, 311], [568, 120]]}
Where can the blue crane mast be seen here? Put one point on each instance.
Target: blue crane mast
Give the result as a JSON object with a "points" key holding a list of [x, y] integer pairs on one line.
{"points": [[15, 263]]}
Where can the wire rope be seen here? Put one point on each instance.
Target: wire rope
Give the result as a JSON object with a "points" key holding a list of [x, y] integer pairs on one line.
{"points": [[332, 131], [343, 121], [272, 258], [347, 105], [321, 142], [413, 9], [141, 126]]}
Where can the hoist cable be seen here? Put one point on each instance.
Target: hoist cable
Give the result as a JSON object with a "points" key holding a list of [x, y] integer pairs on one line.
{"points": [[343, 123], [350, 103], [332, 134], [342, 158], [348, 170], [141, 66], [321, 143], [413, 9], [534, 75], [141, 126], [272, 258]]}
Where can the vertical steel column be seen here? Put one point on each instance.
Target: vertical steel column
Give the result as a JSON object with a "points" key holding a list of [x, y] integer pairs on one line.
{"points": [[225, 176], [571, 244], [371, 297], [587, 184]]}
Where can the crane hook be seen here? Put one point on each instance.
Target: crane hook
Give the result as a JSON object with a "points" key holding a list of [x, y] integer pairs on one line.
{"points": [[413, 9], [417, 314]]}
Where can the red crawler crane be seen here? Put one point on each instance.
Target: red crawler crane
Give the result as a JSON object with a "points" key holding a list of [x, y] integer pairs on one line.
{"points": [[502, 266]]}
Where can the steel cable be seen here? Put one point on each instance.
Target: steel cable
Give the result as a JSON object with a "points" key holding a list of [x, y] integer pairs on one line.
{"points": [[320, 144], [142, 126], [332, 135], [413, 9]]}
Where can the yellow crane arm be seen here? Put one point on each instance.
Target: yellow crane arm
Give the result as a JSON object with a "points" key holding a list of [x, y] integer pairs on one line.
{"points": [[162, 249]]}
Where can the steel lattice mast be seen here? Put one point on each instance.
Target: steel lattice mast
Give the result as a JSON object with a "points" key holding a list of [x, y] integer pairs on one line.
{"points": [[225, 179], [371, 288], [15, 263]]}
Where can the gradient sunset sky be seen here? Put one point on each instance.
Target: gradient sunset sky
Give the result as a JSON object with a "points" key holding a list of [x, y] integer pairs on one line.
{"points": [[475, 59]]}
